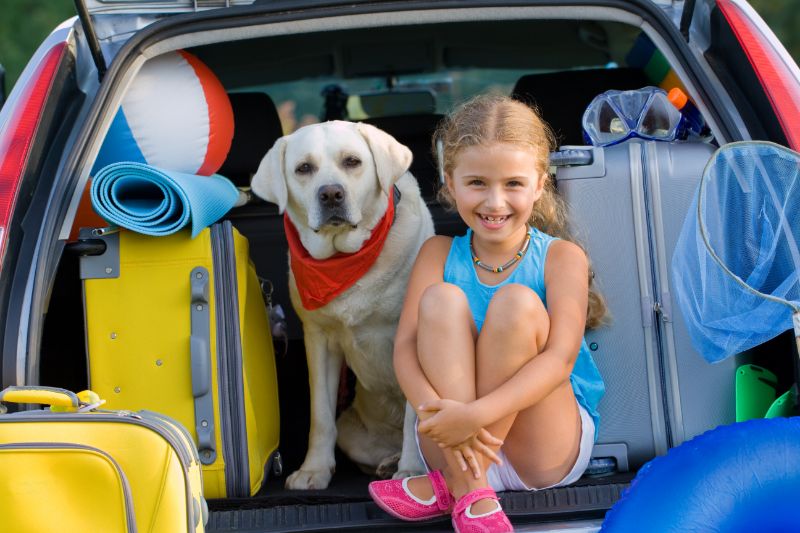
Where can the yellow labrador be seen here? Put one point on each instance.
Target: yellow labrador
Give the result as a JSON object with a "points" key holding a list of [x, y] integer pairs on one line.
{"points": [[335, 181]]}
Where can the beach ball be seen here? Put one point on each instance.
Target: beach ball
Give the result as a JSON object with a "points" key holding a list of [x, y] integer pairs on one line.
{"points": [[175, 116]]}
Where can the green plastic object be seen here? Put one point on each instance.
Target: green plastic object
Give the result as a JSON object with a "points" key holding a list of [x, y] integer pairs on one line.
{"points": [[783, 406], [755, 392]]}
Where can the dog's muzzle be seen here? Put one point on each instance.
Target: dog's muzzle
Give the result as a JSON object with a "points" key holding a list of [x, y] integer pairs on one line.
{"points": [[332, 200]]}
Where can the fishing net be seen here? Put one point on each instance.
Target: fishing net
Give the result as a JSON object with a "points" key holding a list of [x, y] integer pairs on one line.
{"points": [[736, 263]]}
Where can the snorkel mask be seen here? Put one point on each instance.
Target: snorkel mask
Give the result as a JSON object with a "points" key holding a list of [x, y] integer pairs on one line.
{"points": [[615, 116]]}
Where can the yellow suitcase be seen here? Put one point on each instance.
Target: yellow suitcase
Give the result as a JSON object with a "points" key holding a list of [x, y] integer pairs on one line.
{"points": [[85, 469], [179, 326]]}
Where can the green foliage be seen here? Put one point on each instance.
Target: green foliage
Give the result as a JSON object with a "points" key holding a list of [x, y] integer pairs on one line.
{"points": [[783, 17], [23, 26]]}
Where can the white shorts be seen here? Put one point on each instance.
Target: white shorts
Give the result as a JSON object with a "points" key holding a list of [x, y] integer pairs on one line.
{"points": [[504, 477]]}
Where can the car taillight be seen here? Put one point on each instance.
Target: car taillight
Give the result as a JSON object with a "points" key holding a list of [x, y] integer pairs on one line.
{"points": [[16, 139], [779, 83]]}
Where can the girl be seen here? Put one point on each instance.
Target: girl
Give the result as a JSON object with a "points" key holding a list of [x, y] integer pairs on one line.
{"points": [[489, 347]]}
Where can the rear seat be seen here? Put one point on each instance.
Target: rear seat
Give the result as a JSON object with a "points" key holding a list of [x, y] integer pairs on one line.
{"points": [[416, 132], [561, 97], [257, 126]]}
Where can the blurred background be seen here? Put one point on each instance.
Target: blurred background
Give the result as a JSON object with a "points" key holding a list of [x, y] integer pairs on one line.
{"points": [[25, 23]]}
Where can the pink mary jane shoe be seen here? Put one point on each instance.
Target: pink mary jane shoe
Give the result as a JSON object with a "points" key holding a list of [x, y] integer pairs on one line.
{"points": [[494, 521], [393, 496]]}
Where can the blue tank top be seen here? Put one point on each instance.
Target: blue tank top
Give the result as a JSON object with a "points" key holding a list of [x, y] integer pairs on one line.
{"points": [[460, 270]]}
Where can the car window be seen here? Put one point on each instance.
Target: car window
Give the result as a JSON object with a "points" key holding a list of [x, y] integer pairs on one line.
{"points": [[302, 102], [313, 99]]}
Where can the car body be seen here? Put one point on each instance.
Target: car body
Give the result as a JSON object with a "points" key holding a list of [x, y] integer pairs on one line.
{"points": [[54, 121]]}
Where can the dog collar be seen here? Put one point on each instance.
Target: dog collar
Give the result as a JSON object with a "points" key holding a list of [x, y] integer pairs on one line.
{"points": [[321, 280]]}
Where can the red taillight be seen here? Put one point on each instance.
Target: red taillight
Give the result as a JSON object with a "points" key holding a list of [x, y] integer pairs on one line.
{"points": [[15, 141], [781, 86]]}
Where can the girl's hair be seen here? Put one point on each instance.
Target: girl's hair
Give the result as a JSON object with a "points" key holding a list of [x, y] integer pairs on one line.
{"points": [[491, 118]]}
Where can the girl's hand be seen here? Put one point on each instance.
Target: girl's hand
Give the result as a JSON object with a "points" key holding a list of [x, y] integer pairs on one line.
{"points": [[466, 453], [453, 423]]}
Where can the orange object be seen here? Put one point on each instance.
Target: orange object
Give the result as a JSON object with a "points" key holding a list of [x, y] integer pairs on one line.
{"points": [[677, 97]]}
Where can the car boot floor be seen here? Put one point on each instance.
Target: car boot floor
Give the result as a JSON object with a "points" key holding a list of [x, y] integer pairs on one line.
{"points": [[346, 505]]}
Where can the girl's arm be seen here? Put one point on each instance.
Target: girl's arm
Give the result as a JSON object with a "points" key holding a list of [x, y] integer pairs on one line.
{"points": [[428, 269], [567, 286]]}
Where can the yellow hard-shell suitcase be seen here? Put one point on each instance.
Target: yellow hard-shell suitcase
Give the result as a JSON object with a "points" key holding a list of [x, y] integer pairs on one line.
{"points": [[179, 326], [74, 467]]}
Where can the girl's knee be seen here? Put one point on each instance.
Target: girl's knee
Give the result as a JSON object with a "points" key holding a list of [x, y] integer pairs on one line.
{"points": [[518, 305], [442, 300]]}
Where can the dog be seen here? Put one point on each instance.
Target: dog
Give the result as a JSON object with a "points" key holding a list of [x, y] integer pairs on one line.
{"points": [[337, 183]]}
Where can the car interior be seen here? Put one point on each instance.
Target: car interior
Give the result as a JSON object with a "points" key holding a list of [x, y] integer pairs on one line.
{"points": [[403, 80]]}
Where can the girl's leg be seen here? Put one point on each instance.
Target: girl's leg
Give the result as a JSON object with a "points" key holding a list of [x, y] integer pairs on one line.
{"points": [[446, 336], [541, 442]]}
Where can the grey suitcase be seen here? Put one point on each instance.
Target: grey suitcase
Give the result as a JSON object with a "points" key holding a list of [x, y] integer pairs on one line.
{"points": [[627, 205]]}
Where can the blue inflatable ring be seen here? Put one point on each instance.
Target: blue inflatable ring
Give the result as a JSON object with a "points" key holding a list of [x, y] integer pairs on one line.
{"points": [[742, 477]]}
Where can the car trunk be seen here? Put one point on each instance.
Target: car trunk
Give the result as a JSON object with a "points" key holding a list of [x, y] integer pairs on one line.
{"points": [[279, 48]]}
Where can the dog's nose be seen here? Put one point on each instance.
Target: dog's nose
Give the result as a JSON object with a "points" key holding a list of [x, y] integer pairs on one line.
{"points": [[331, 195]]}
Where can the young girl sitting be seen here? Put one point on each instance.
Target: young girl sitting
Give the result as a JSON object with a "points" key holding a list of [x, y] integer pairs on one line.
{"points": [[489, 347]]}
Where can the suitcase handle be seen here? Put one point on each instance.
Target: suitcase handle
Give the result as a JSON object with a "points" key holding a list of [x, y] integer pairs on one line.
{"points": [[59, 400], [42, 395]]}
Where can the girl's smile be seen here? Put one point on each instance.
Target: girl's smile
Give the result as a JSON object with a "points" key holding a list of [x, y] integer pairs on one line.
{"points": [[494, 187]]}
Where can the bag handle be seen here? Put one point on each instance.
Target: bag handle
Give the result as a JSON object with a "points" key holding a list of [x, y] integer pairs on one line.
{"points": [[59, 400], [43, 395]]}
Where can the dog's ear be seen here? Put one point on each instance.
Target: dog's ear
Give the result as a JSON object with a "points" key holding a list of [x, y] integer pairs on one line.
{"points": [[269, 181], [392, 159]]}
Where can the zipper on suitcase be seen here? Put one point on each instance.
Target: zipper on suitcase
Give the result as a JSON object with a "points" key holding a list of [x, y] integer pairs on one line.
{"points": [[130, 515], [648, 182], [229, 361], [663, 307]]}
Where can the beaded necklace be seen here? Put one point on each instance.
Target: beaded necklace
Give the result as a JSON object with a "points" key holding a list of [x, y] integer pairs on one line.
{"points": [[497, 270]]}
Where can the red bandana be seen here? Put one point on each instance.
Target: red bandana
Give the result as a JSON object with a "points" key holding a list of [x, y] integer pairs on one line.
{"points": [[320, 281]]}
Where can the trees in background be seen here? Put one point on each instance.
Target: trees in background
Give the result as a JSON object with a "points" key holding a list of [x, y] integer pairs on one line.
{"points": [[23, 26], [783, 16]]}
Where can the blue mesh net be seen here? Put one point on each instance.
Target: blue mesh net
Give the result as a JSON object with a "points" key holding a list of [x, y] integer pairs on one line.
{"points": [[736, 263]]}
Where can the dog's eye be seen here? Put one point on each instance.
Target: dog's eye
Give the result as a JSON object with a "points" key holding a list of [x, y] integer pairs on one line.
{"points": [[304, 168], [351, 162]]}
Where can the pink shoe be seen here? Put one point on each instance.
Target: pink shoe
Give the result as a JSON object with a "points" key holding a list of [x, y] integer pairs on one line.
{"points": [[393, 496], [492, 522]]}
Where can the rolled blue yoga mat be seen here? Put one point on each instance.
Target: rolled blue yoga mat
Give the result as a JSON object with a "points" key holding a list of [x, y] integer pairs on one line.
{"points": [[156, 202]]}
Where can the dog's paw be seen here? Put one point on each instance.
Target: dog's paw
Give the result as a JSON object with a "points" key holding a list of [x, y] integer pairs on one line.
{"points": [[309, 479], [388, 466], [409, 465], [400, 474]]}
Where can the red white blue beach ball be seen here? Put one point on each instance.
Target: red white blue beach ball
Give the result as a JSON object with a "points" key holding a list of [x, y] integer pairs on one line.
{"points": [[175, 116]]}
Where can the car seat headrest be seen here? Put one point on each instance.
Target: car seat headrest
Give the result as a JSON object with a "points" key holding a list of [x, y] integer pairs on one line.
{"points": [[258, 126], [562, 97]]}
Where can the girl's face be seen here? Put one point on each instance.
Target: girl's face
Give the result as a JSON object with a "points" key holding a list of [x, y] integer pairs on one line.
{"points": [[494, 188]]}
